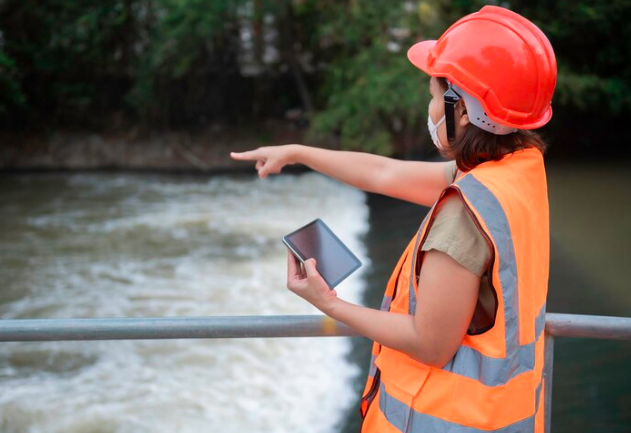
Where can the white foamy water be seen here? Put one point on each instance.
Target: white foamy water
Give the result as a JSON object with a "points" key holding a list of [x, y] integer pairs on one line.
{"points": [[157, 246]]}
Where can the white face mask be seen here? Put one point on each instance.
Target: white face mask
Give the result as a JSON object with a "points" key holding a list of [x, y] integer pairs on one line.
{"points": [[433, 131]]}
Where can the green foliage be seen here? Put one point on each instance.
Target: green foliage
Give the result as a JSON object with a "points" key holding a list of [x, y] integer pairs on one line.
{"points": [[66, 53], [584, 92], [182, 34], [177, 62], [11, 95], [374, 98]]}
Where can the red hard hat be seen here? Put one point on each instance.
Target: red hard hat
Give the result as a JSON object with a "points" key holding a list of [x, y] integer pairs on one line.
{"points": [[501, 59]]}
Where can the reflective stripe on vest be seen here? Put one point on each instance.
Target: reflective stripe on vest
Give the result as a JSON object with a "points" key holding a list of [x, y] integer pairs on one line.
{"points": [[405, 419], [497, 371]]}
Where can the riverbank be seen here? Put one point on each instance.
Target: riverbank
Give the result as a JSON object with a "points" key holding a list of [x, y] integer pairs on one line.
{"points": [[206, 150]]}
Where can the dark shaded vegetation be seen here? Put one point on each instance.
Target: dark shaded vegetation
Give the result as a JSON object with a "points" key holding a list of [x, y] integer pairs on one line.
{"points": [[337, 66]]}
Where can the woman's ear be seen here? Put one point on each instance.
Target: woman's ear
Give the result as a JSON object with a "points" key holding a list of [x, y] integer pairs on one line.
{"points": [[464, 117], [464, 120]]}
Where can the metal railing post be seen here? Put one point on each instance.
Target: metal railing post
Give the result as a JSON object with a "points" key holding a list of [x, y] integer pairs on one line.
{"points": [[547, 379]]}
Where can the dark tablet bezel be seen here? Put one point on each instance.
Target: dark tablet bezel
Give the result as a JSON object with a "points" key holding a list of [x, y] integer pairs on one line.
{"points": [[300, 255]]}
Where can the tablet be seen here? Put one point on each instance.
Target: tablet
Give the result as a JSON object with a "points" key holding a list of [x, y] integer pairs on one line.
{"points": [[316, 240]]}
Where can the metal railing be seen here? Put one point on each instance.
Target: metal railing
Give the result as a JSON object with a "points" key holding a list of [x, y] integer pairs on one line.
{"points": [[557, 325]]}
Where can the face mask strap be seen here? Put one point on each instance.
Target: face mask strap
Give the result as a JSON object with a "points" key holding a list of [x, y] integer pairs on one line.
{"points": [[451, 98]]}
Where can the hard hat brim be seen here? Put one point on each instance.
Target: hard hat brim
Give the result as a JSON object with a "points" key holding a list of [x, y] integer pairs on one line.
{"points": [[418, 55]]}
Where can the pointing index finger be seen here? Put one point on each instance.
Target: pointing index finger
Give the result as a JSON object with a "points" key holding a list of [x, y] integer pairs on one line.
{"points": [[243, 156]]}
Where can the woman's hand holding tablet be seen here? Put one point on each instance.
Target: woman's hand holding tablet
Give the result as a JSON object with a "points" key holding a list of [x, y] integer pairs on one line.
{"points": [[316, 240]]}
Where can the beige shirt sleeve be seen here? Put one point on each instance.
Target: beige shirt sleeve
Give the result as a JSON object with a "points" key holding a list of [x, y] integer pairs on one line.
{"points": [[454, 233], [450, 172]]}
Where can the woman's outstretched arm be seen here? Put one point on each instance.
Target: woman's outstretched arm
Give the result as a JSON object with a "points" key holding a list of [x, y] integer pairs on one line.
{"points": [[414, 181]]}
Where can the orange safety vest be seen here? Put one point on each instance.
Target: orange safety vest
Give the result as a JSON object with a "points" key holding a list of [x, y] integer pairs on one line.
{"points": [[495, 379]]}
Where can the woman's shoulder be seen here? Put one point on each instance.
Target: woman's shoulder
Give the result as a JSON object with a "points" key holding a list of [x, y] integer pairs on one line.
{"points": [[454, 233]]}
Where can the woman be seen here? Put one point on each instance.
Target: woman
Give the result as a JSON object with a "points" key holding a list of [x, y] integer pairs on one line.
{"points": [[458, 341]]}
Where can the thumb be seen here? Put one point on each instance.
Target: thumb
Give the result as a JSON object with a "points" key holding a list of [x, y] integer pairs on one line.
{"points": [[310, 268]]}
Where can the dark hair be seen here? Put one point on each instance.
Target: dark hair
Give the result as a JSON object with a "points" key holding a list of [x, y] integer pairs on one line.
{"points": [[477, 145]]}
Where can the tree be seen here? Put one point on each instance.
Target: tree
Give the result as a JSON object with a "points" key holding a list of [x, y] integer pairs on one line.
{"points": [[373, 98]]}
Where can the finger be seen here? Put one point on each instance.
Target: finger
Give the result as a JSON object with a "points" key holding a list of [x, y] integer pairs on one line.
{"points": [[310, 268], [259, 164], [244, 156], [263, 172], [292, 266]]}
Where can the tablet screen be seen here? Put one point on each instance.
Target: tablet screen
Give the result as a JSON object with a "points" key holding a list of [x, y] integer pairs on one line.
{"points": [[334, 260]]}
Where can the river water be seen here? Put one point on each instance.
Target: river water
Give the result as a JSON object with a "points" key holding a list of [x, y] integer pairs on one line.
{"points": [[111, 245], [155, 246]]}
